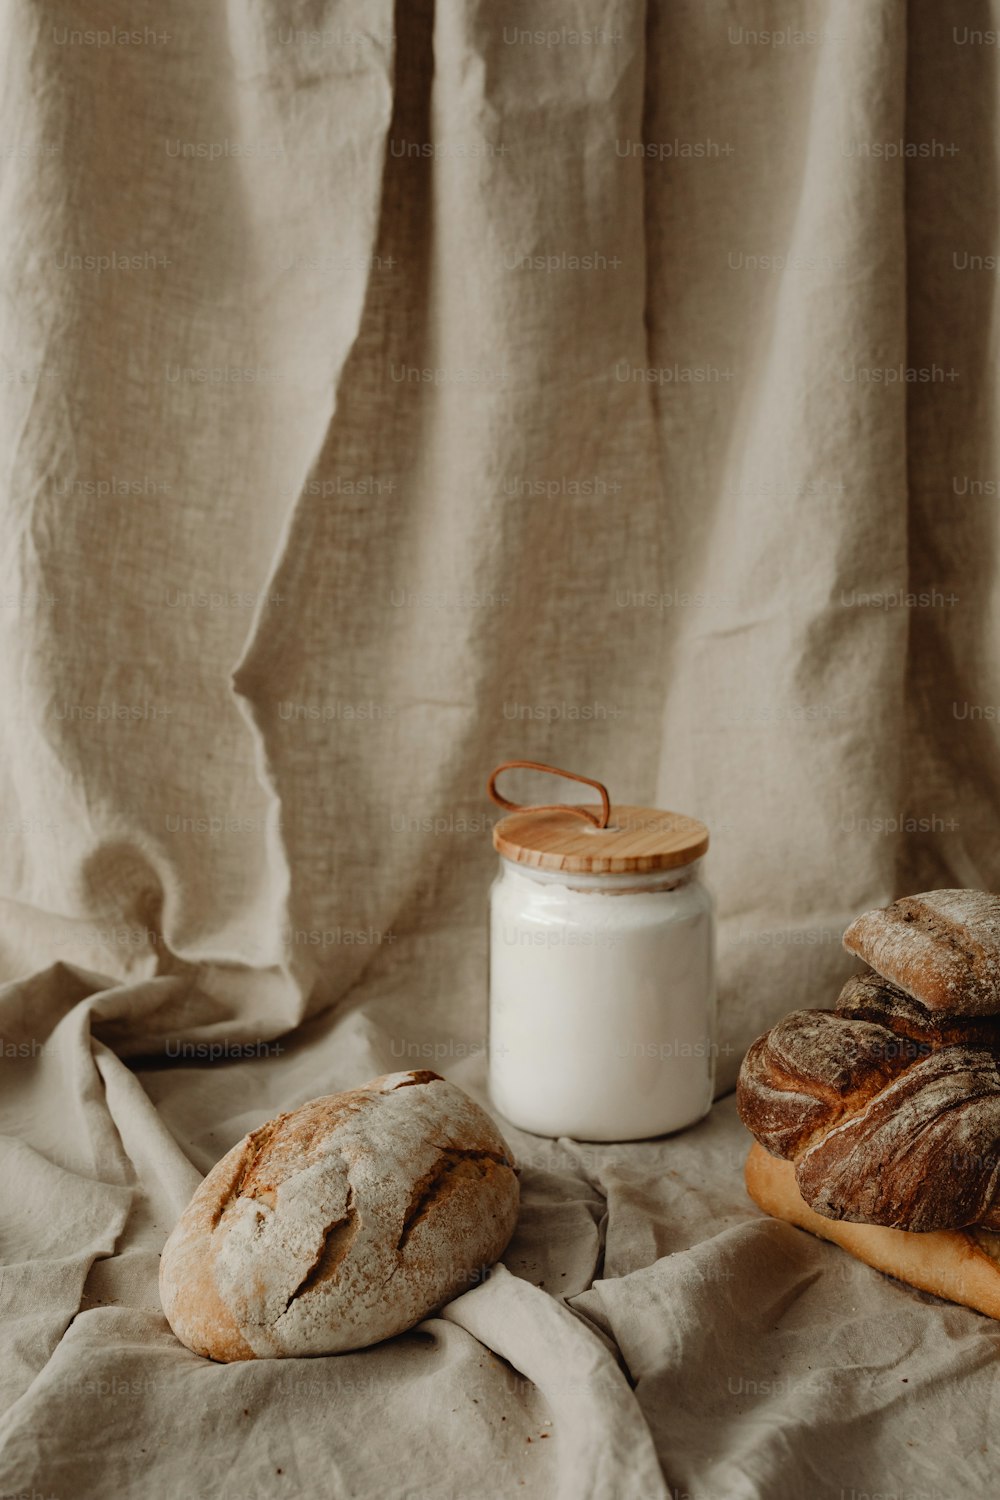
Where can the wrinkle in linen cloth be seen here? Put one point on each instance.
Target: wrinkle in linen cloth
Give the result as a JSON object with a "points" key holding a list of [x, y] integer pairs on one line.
{"points": [[386, 391]]}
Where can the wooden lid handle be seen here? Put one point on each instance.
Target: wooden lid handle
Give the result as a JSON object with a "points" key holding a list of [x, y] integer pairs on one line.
{"points": [[536, 765]]}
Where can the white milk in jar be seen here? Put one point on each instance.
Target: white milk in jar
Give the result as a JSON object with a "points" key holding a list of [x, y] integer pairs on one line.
{"points": [[602, 1005]]}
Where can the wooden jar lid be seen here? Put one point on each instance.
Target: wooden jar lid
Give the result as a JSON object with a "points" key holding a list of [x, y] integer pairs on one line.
{"points": [[636, 839]]}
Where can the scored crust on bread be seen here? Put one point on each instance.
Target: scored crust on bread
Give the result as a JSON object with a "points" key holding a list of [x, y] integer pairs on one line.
{"points": [[947, 1262], [341, 1223], [941, 947]]}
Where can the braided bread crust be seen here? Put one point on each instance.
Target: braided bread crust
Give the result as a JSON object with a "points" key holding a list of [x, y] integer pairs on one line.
{"points": [[889, 1111]]}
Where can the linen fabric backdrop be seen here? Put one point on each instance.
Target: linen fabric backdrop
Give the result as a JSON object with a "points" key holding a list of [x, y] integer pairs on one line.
{"points": [[387, 393]]}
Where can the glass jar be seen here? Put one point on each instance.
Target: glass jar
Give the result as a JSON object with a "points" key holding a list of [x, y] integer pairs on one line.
{"points": [[602, 997]]}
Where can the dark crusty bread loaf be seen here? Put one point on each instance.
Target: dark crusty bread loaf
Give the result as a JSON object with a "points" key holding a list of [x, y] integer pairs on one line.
{"points": [[342, 1223], [941, 947], [890, 1113], [949, 1263], [877, 1125]]}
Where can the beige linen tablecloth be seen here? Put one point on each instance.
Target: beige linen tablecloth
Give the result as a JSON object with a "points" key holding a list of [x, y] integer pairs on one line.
{"points": [[649, 1334]]}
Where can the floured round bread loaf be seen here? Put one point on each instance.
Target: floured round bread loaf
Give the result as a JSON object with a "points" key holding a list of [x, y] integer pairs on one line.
{"points": [[342, 1223]]}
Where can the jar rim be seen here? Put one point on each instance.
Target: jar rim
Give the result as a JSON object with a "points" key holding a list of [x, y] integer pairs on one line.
{"points": [[607, 882]]}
